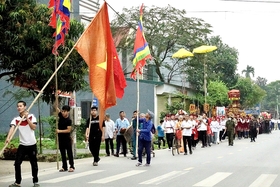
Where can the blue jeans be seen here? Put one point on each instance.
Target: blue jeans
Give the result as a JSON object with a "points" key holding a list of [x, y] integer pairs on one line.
{"points": [[147, 145]]}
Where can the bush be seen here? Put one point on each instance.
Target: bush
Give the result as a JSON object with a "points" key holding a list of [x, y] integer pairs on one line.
{"points": [[51, 120]]}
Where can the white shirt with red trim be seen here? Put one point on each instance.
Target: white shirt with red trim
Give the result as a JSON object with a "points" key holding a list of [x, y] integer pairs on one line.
{"points": [[26, 134]]}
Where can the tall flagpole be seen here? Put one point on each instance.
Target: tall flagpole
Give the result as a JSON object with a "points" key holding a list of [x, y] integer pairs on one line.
{"points": [[56, 109], [137, 108]]}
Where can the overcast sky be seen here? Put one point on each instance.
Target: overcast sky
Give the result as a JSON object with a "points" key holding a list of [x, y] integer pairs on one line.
{"points": [[250, 27]]}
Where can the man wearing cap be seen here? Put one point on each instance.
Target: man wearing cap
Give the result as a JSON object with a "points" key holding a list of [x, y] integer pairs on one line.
{"points": [[230, 129], [145, 138]]}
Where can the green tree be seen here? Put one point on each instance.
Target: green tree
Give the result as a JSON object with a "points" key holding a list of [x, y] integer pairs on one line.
{"points": [[167, 29], [273, 91], [217, 93], [225, 63], [261, 82], [26, 48], [249, 70], [221, 65], [250, 93]]}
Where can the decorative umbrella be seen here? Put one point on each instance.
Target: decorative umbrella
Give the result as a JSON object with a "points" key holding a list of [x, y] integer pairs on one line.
{"points": [[182, 53], [204, 49]]}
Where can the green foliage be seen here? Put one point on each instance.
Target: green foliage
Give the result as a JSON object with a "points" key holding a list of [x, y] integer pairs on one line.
{"points": [[221, 65], [167, 29], [250, 93], [80, 130], [270, 100], [26, 48], [261, 82], [172, 109], [217, 93]]}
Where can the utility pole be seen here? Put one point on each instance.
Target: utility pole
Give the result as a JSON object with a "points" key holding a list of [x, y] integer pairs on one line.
{"points": [[277, 111]]}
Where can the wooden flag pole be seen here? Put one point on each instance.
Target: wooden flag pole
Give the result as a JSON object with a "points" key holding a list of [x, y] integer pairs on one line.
{"points": [[137, 121], [56, 109]]}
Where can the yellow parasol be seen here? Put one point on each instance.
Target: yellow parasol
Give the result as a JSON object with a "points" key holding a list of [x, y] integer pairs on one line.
{"points": [[182, 53], [204, 49]]}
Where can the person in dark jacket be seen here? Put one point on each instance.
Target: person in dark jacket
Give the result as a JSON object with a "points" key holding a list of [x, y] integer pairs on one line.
{"points": [[253, 125], [145, 138]]}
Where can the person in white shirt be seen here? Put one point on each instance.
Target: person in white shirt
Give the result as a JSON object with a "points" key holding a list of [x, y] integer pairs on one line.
{"points": [[222, 128], [215, 127], [168, 126], [27, 142], [202, 129], [109, 135], [186, 127]]}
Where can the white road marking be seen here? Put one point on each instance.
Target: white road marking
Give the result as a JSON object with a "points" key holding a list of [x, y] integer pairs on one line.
{"points": [[264, 180], [71, 176], [162, 177], [118, 176], [190, 168], [213, 179], [27, 175]]}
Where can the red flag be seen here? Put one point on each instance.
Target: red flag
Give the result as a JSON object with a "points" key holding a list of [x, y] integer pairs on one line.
{"points": [[97, 49], [119, 79]]}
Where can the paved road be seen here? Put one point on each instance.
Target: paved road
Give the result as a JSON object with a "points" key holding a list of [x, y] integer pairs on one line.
{"points": [[245, 164]]}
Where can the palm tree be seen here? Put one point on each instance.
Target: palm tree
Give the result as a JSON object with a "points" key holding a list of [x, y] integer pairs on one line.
{"points": [[249, 70]]}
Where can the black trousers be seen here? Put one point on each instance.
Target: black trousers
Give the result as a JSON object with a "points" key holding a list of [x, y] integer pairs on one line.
{"points": [[169, 138], [202, 137], [121, 140], [159, 141], [31, 152], [109, 145], [187, 139], [66, 146], [94, 147]]}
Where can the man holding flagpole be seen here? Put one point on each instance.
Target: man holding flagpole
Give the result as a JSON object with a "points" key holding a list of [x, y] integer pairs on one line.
{"points": [[141, 54]]}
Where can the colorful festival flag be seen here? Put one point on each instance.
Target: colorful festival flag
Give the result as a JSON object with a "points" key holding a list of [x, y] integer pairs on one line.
{"points": [[141, 50], [60, 20]]}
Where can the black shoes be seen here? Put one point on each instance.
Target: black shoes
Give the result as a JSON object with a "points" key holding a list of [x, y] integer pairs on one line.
{"points": [[133, 158], [116, 155]]}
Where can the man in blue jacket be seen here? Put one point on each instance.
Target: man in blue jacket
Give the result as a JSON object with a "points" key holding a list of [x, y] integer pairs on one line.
{"points": [[145, 138]]}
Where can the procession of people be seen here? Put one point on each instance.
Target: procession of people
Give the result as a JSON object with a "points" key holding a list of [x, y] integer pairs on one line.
{"points": [[190, 130]]}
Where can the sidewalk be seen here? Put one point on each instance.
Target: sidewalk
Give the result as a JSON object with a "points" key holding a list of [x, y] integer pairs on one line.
{"points": [[7, 166]]}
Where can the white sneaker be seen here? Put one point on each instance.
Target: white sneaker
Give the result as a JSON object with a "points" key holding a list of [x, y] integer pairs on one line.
{"points": [[95, 164], [139, 164]]}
